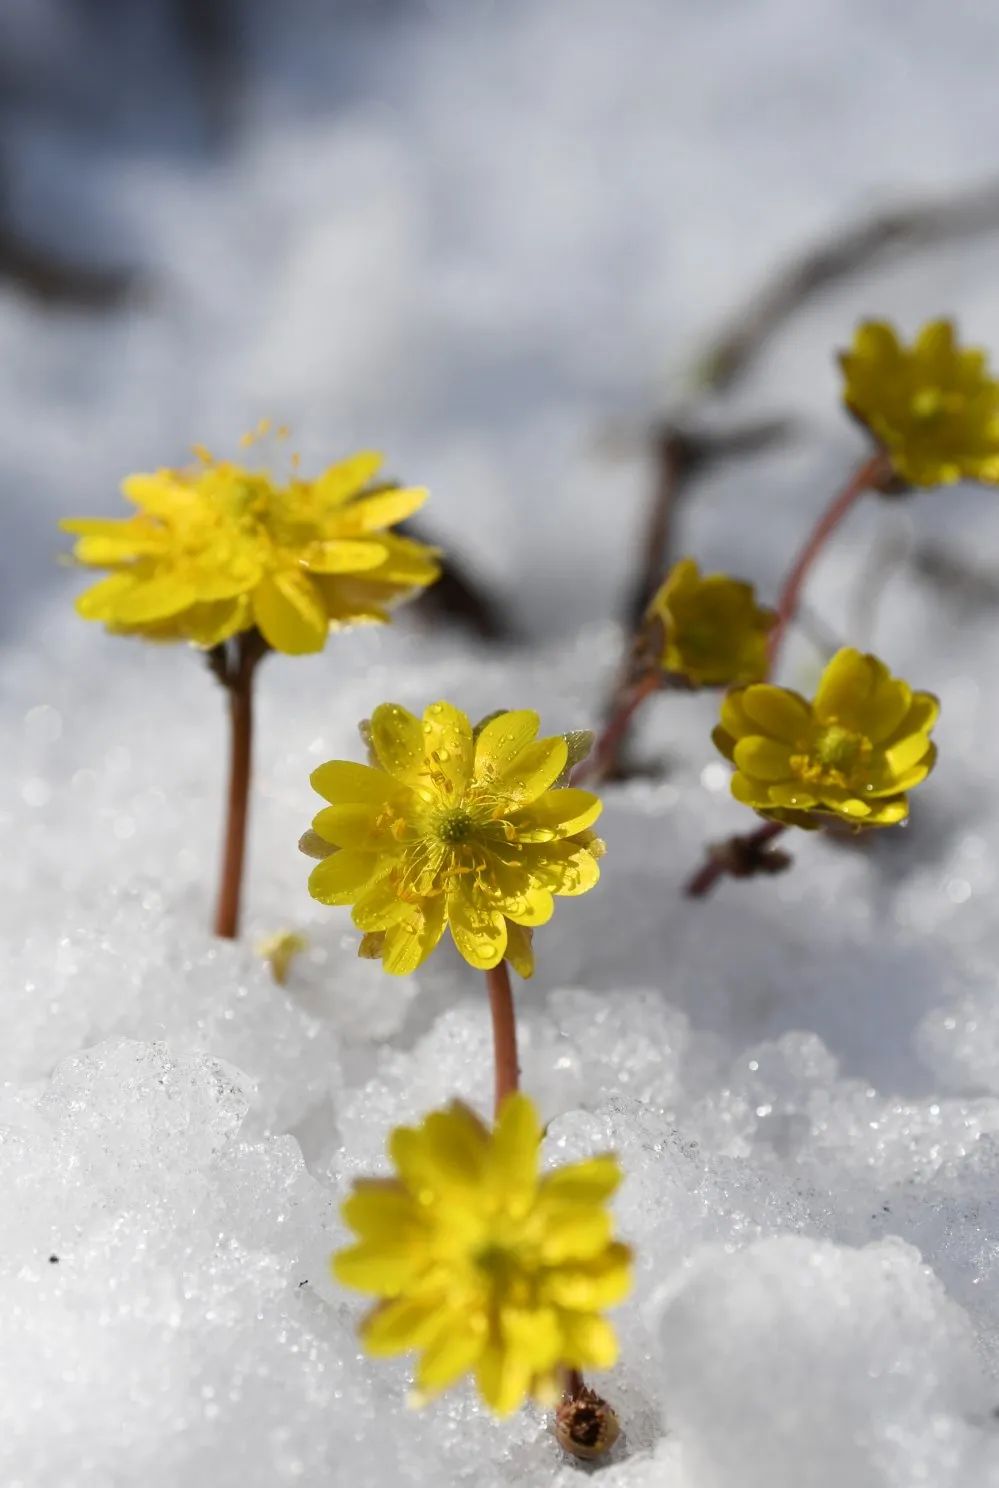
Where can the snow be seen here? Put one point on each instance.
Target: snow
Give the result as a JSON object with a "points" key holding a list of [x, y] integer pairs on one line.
{"points": [[498, 236]]}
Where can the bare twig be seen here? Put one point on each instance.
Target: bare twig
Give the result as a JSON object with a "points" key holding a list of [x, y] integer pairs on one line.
{"points": [[839, 256], [739, 857], [680, 455], [952, 574], [57, 281], [459, 597]]}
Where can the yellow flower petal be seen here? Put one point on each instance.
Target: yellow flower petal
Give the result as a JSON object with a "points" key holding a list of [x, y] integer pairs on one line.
{"points": [[907, 752], [453, 1353], [457, 1144], [397, 739], [600, 1282], [921, 717], [798, 797], [558, 813], [379, 1208], [890, 812], [406, 563], [516, 1142], [776, 711], [410, 941], [378, 905], [503, 1379], [533, 1335], [588, 1340], [502, 740], [345, 479], [845, 688], [289, 612], [763, 759], [534, 770], [533, 908], [100, 601], [479, 933], [354, 825], [564, 868], [447, 744], [154, 598], [574, 1233], [398, 1326], [343, 781], [340, 878], [382, 1268], [370, 513], [520, 949], [341, 555], [591, 1182], [733, 718]]}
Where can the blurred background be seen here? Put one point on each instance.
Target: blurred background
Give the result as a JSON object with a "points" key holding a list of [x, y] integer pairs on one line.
{"points": [[489, 239]]}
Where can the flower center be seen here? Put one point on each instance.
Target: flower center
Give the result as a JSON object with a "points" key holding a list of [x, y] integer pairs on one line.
{"points": [[701, 637], [930, 404], [834, 758], [454, 825]]}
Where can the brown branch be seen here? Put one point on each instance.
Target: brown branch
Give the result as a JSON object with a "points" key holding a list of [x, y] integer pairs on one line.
{"points": [[739, 857], [459, 597], [867, 477], [56, 281], [837, 257]]}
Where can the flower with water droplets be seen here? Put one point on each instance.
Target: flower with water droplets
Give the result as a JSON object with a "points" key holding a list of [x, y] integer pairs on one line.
{"points": [[450, 826], [217, 549], [713, 632], [852, 754], [932, 406], [483, 1265]]}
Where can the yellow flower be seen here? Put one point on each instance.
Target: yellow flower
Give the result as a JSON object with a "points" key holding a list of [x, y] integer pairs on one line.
{"points": [[217, 549], [453, 827], [483, 1265], [932, 405], [279, 951], [851, 754], [714, 632]]}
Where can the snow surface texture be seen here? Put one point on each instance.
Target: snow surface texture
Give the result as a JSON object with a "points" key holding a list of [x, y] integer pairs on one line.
{"points": [[472, 261]]}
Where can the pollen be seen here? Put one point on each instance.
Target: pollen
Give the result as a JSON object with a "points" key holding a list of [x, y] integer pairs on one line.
{"points": [[840, 749], [455, 826]]}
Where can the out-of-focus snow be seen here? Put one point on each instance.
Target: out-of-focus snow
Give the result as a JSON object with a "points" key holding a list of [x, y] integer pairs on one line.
{"points": [[473, 235]]}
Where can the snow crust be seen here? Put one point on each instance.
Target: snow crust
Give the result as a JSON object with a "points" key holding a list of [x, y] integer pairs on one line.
{"points": [[474, 258]]}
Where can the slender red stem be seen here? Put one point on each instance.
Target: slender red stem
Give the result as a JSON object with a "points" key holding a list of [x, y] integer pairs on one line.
{"points": [[865, 477], [719, 862], [239, 686], [605, 752], [507, 1068]]}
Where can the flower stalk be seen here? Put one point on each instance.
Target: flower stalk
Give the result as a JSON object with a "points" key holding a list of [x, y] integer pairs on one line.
{"points": [[873, 473], [739, 857], [605, 758], [236, 666], [504, 1018]]}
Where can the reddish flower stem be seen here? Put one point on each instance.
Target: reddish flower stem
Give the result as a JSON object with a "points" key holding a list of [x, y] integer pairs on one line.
{"points": [[604, 756], [741, 853], [865, 478], [507, 1067], [507, 1081], [238, 682], [716, 865]]}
